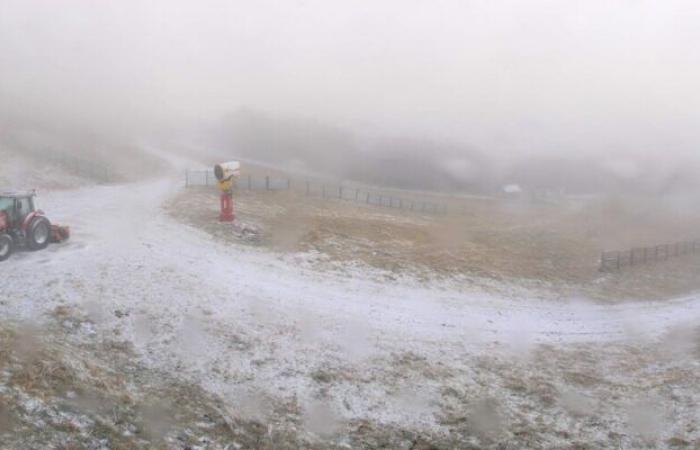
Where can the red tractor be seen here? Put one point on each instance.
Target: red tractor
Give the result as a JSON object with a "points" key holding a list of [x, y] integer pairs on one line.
{"points": [[22, 224]]}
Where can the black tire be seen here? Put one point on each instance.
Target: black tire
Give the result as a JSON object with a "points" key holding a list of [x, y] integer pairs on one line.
{"points": [[39, 233], [7, 246]]}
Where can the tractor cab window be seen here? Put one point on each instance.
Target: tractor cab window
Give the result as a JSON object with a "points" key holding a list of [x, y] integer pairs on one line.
{"points": [[24, 207], [6, 204]]}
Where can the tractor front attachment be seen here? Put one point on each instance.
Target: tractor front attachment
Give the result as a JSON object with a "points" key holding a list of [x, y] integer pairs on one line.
{"points": [[59, 233]]}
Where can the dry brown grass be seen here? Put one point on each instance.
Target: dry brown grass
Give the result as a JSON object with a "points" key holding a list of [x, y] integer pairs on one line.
{"points": [[556, 247]]}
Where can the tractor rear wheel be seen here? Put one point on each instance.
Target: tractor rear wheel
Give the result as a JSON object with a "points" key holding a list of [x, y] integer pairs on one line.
{"points": [[7, 245], [39, 234]]}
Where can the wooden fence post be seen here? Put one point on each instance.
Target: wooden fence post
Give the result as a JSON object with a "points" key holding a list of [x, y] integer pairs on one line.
{"points": [[368, 194], [357, 194], [340, 192], [187, 178], [250, 182], [267, 182]]}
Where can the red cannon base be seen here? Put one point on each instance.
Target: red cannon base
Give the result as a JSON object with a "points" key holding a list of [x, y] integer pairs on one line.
{"points": [[227, 214]]}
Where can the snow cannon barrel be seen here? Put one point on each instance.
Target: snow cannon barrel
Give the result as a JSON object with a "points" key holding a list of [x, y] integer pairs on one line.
{"points": [[228, 170]]}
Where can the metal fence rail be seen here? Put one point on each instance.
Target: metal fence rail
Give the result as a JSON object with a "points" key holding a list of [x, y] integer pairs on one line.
{"points": [[320, 189], [200, 178], [380, 199], [616, 260], [248, 182]]}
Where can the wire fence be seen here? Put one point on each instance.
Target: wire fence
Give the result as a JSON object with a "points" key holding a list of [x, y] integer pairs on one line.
{"points": [[374, 198], [611, 261], [322, 190], [248, 182]]}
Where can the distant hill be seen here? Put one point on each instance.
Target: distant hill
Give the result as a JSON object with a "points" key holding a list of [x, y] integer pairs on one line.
{"points": [[311, 146], [34, 145]]}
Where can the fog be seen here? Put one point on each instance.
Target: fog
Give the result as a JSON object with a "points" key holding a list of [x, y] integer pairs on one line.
{"points": [[511, 81], [456, 224]]}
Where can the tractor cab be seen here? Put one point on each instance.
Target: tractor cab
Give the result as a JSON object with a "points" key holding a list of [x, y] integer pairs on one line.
{"points": [[17, 206], [23, 225]]}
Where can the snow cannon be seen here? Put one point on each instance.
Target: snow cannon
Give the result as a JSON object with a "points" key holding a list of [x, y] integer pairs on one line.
{"points": [[226, 173], [227, 170]]}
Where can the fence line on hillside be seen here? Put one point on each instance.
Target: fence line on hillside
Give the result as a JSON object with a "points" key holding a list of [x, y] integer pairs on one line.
{"points": [[374, 198], [247, 182], [616, 260], [322, 190]]}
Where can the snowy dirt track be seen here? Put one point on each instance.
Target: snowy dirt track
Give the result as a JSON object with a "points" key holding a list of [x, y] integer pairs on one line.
{"points": [[249, 324]]}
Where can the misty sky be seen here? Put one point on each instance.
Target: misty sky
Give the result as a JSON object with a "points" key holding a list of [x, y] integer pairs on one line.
{"points": [[505, 76]]}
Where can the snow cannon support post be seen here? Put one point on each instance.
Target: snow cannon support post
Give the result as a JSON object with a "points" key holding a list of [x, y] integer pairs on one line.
{"points": [[227, 214], [226, 173]]}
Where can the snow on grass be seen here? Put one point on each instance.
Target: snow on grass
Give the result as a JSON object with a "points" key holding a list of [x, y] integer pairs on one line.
{"points": [[236, 319]]}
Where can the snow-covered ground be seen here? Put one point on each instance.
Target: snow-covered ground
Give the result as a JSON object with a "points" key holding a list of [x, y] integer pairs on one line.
{"points": [[254, 327]]}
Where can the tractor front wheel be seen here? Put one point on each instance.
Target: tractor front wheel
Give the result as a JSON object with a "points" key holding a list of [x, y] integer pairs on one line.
{"points": [[6, 246], [39, 234]]}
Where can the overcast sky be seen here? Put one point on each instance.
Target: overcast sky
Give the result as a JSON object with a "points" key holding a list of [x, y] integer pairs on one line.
{"points": [[505, 76]]}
